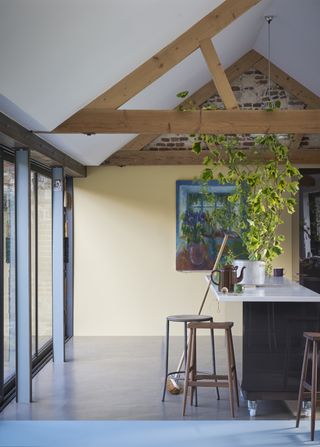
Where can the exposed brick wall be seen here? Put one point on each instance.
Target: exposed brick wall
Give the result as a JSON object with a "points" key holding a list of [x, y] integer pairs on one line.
{"points": [[250, 90]]}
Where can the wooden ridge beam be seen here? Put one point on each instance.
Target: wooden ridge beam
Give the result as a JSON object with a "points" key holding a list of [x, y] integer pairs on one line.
{"points": [[101, 121], [187, 157], [200, 96], [172, 54], [36, 144], [219, 76]]}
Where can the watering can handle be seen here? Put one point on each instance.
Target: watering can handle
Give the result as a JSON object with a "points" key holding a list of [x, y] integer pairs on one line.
{"points": [[219, 271]]}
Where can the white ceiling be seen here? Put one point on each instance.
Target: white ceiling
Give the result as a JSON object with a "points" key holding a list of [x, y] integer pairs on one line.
{"points": [[56, 56]]}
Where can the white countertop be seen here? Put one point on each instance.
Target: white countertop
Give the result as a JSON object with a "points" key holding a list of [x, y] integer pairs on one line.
{"points": [[275, 289]]}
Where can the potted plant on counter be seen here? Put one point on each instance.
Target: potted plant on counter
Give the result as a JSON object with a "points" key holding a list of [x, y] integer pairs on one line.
{"points": [[264, 190]]}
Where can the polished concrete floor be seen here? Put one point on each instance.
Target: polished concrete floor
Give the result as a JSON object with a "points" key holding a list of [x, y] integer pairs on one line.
{"points": [[121, 378], [261, 433]]}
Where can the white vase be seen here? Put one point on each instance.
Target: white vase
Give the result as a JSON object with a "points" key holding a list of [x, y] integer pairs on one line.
{"points": [[254, 272]]}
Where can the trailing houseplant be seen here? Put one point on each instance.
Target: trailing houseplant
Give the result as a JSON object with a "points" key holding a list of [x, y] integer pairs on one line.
{"points": [[263, 190]]}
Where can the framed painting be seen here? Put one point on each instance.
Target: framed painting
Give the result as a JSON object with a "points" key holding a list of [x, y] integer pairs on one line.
{"points": [[202, 218]]}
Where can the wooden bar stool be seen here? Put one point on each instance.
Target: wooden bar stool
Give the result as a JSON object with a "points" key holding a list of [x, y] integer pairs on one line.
{"points": [[312, 338], [194, 380]]}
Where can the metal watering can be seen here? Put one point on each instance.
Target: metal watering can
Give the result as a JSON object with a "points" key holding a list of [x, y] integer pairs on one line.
{"points": [[227, 277]]}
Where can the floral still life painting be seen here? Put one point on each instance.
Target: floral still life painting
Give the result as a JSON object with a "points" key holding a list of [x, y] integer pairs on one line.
{"points": [[203, 216]]}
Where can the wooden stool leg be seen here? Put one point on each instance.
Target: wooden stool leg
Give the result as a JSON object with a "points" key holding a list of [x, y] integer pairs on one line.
{"points": [[230, 374], [314, 387], [185, 347], [302, 380], [194, 390], [192, 366], [214, 358], [187, 372], [235, 377]]}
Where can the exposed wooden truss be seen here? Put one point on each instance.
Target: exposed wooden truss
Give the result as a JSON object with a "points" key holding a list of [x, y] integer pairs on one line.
{"points": [[200, 96], [98, 118], [252, 59], [187, 157], [92, 121], [41, 150], [219, 77], [171, 55]]}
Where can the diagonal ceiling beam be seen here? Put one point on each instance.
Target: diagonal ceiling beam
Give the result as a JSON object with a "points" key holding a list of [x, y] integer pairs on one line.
{"points": [[196, 121], [200, 96], [219, 76], [171, 55]]}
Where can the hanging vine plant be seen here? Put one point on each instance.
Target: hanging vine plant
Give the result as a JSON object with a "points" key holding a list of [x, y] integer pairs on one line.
{"points": [[264, 190]]}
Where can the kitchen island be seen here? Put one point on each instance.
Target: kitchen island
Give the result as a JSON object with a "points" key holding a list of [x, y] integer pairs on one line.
{"points": [[275, 316]]}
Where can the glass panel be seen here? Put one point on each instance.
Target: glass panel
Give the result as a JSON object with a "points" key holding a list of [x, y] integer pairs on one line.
{"points": [[44, 260], [33, 260], [9, 269], [310, 230]]}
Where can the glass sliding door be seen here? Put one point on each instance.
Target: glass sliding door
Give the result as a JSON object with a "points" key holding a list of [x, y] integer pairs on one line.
{"points": [[44, 249], [8, 256], [41, 270], [33, 240], [41, 262]]}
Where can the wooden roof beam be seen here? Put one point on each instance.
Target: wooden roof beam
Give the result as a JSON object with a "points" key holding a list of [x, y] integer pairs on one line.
{"points": [[219, 76], [171, 55], [101, 121], [200, 96], [187, 157]]}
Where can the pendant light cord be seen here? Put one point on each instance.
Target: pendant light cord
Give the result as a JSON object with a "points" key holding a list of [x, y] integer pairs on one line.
{"points": [[269, 20]]}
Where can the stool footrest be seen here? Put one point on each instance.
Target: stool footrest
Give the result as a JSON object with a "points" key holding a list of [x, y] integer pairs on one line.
{"points": [[211, 376], [210, 383]]}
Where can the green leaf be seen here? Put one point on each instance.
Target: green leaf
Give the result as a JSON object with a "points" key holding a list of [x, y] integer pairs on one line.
{"points": [[196, 147], [182, 94], [277, 104], [207, 175]]}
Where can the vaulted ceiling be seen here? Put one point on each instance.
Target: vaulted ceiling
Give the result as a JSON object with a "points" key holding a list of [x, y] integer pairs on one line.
{"points": [[56, 57]]}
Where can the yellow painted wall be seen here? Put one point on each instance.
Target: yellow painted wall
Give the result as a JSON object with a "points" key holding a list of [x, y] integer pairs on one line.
{"points": [[125, 277]]}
